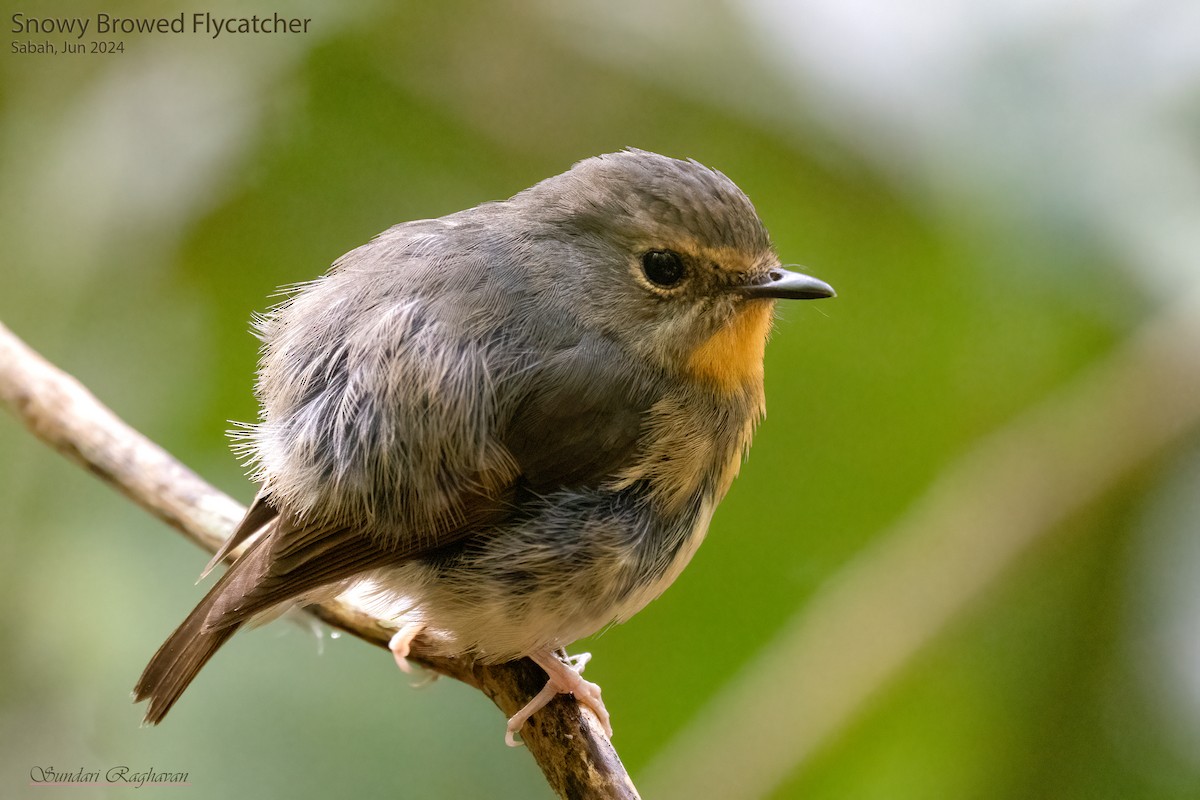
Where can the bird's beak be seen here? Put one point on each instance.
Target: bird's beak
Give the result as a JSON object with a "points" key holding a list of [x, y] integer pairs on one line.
{"points": [[787, 285]]}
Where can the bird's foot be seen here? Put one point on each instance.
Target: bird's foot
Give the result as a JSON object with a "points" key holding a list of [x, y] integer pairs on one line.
{"points": [[401, 644], [578, 662], [562, 678]]}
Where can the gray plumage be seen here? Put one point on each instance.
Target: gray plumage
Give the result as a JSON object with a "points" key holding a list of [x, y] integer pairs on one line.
{"points": [[495, 423]]}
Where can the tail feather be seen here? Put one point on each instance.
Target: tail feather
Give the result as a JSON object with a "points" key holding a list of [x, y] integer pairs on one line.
{"points": [[194, 642], [177, 663], [282, 564]]}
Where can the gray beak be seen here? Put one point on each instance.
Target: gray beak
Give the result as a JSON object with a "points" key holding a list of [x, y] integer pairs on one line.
{"points": [[787, 285]]}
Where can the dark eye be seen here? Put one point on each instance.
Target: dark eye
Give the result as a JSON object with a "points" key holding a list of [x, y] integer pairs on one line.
{"points": [[663, 267]]}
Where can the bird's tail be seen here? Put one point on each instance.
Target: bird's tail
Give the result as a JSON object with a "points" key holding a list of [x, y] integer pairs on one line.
{"points": [[178, 661], [193, 643]]}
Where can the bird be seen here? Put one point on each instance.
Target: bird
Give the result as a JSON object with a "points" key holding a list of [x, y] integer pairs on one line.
{"points": [[505, 428]]}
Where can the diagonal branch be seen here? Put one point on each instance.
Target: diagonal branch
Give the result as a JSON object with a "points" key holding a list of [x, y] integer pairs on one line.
{"points": [[574, 754]]}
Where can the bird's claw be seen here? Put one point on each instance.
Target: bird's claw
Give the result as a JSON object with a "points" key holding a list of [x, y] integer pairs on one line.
{"points": [[562, 678]]}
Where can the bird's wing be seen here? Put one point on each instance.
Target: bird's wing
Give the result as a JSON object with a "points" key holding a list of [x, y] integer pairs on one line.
{"points": [[576, 420], [580, 418], [294, 559], [260, 513]]}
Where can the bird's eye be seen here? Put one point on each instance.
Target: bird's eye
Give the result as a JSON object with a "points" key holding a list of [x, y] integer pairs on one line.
{"points": [[664, 268]]}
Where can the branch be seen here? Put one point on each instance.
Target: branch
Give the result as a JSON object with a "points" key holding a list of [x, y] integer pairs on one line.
{"points": [[574, 754]]}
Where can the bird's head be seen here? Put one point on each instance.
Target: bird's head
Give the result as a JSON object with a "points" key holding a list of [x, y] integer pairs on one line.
{"points": [[668, 257]]}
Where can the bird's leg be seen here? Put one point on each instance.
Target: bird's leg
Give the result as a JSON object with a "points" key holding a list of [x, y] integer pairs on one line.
{"points": [[402, 642], [562, 678]]}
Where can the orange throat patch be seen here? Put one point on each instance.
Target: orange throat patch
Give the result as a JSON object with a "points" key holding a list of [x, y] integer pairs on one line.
{"points": [[733, 356]]}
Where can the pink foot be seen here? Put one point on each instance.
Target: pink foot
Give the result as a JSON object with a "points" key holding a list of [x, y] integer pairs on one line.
{"points": [[562, 679], [401, 643]]}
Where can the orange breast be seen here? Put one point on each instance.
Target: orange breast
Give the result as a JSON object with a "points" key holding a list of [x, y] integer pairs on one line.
{"points": [[733, 356]]}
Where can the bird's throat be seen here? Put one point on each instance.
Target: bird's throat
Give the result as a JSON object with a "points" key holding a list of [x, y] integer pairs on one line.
{"points": [[733, 356]]}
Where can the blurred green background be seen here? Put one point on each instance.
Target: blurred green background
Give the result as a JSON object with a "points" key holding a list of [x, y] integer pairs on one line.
{"points": [[1001, 197]]}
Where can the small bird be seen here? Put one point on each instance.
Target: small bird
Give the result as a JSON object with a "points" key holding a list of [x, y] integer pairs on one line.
{"points": [[507, 427]]}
